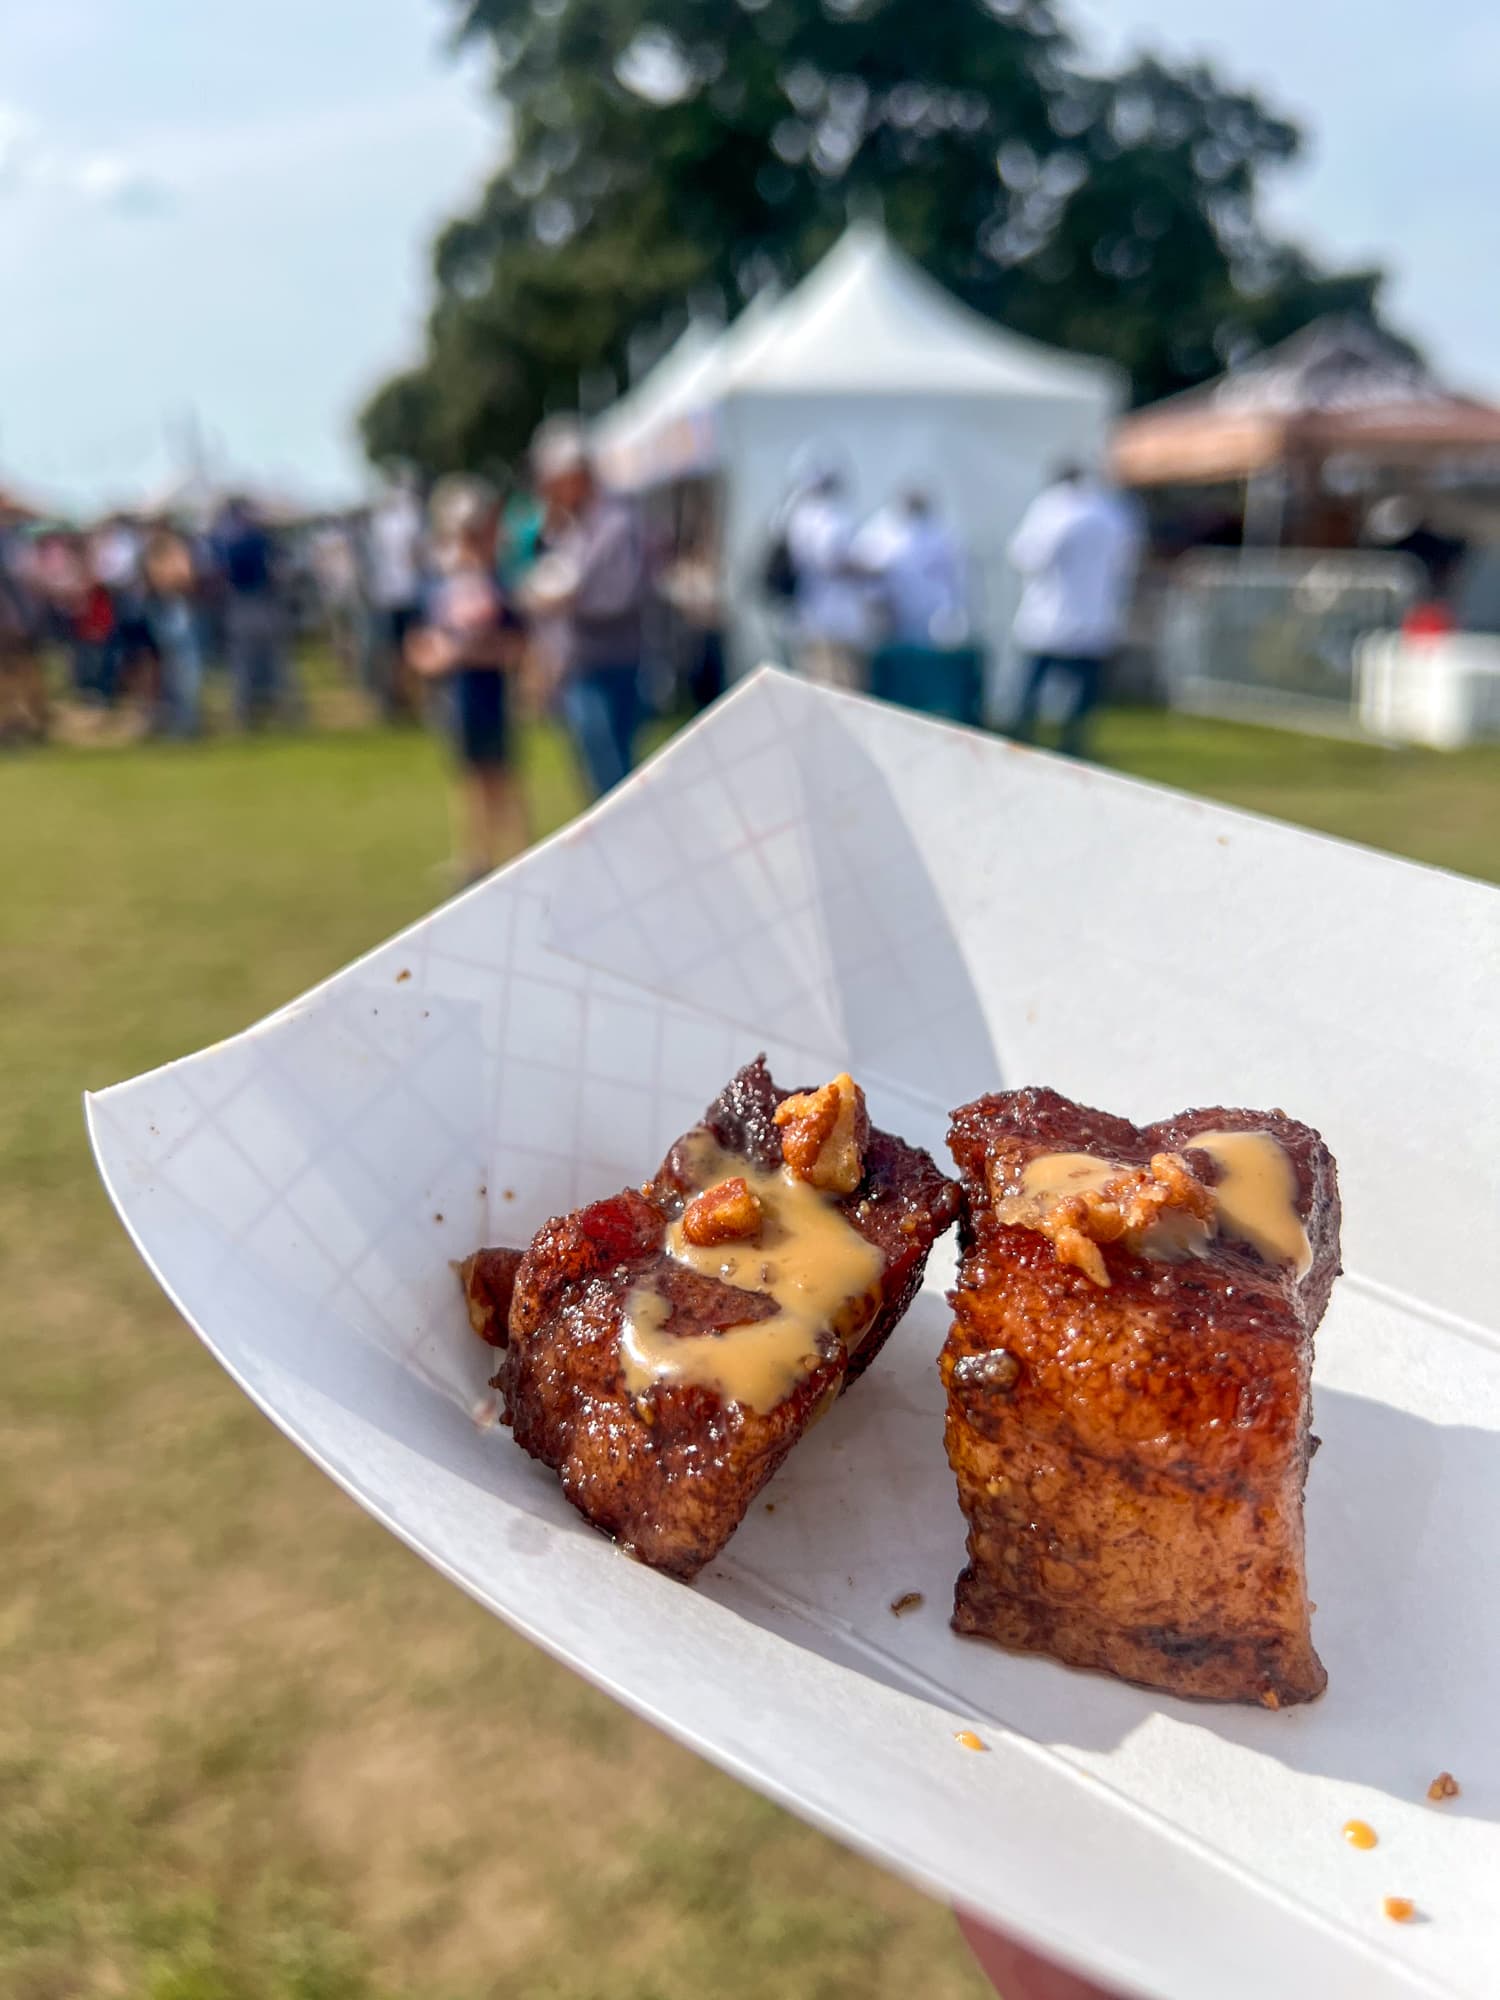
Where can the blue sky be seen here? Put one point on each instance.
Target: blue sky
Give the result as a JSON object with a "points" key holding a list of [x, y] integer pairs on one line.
{"points": [[223, 208], [226, 209], [1399, 102]]}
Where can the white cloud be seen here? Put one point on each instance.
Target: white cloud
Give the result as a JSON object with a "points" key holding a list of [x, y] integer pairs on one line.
{"points": [[30, 165], [119, 184]]}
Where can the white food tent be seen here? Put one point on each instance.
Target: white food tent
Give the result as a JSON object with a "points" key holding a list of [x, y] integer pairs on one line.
{"points": [[628, 439], [871, 362], [666, 426]]}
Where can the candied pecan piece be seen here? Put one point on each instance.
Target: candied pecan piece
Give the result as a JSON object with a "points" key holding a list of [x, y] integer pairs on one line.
{"points": [[1169, 1182], [1073, 1246], [1129, 1206], [722, 1214], [824, 1133]]}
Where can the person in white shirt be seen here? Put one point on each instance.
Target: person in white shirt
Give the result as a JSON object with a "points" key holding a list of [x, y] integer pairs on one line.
{"points": [[917, 566], [116, 552], [1077, 548], [830, 608], [397, 560]]}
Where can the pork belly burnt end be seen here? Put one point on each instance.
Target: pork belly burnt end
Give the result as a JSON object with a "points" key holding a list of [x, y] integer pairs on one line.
{"points": [[663, 1356], [1128, 1379]]}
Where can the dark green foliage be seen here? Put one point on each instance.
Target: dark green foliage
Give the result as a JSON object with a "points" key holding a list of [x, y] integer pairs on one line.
{"points": [[672, 150]]}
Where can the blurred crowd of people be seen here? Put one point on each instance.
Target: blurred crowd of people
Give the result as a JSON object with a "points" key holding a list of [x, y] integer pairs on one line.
{"points": [[477, 607], [137, 608], [848, 591], [540, 602], [887, 604], [454, 606], [470, 607]]}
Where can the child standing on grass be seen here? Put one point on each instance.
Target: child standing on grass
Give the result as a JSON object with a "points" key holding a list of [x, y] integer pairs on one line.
{"points": [[470, 639], [171, 584]]}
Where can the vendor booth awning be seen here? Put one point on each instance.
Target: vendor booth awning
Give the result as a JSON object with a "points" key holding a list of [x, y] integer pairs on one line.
{"points": [[665, 428], [1337, 387]]}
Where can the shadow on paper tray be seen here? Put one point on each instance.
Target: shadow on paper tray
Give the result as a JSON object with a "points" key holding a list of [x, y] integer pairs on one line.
{"points": [[1412, 1660], [1413, 1656]]}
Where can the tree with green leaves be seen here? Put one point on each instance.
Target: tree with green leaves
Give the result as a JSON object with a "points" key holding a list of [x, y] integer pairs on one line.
{"points": [[664, 154]]}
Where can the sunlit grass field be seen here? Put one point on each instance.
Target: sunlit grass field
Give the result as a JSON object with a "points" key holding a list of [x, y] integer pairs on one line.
{"points": [[249, 1746]]}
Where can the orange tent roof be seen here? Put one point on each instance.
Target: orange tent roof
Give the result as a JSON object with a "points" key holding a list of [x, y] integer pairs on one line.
{"points": [[1338, 386], [14, 508]]}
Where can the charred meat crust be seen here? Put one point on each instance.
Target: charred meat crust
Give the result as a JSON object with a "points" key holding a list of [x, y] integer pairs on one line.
{"points": [[1132, 1475], [670, 1474]]}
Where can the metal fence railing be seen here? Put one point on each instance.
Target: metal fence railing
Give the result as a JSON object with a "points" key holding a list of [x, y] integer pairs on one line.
{"points": [[1276, 633]]}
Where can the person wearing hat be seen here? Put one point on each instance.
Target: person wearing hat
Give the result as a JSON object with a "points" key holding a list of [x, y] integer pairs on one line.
{"points": [[588, 591]]}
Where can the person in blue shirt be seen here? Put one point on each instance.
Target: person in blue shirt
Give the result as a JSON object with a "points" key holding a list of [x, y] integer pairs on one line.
{"points": [[254, 620]]}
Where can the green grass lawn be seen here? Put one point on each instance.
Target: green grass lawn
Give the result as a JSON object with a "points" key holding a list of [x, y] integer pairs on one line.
{"points": [[1442, 808], [250, 1747]]}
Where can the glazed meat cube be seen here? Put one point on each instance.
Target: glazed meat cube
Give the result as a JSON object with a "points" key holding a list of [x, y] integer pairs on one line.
{"points": [[667, 1347], [1128, 1378]]}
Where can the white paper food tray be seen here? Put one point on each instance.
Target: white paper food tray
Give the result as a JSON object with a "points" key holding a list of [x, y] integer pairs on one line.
{"points": [[844, 885]]}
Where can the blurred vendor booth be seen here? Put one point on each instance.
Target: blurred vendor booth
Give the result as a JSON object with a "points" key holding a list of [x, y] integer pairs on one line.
{"points": [[1326, 519]]}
